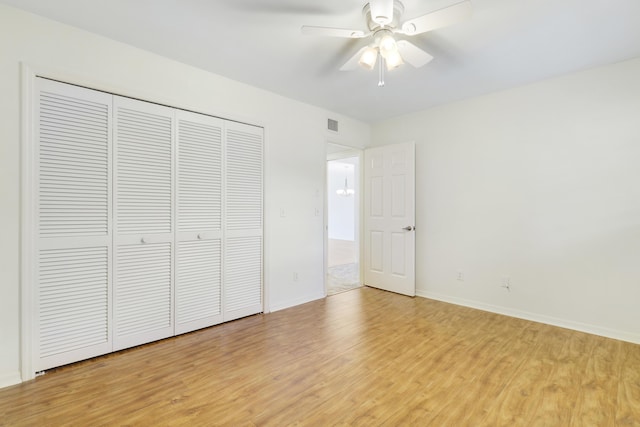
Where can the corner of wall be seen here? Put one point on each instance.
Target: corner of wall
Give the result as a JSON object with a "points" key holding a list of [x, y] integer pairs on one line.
{"points": [[9, 379], [298, 301]]}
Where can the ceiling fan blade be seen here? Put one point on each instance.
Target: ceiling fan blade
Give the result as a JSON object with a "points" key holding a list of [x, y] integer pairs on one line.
{"points": [[332, 32], [352, 63], [413, 54], [438, 19]]}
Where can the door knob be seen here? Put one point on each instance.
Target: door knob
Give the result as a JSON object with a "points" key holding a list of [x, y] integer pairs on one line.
{"points": [[409, 228]]}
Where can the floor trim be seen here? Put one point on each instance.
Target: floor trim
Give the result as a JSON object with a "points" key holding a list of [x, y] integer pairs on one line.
{"points": [[535, 317], [298, 301]]}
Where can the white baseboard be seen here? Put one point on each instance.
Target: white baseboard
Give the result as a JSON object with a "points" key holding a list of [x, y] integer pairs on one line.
{"points": [[10, 379], [293, 303], [631, 337]]}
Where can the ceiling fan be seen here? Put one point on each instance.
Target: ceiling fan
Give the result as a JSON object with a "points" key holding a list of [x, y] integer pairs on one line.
{"points": [[383, 22]]}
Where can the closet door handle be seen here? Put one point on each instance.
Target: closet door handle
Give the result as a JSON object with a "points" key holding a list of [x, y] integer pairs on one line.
{"points": [[409, 228]]}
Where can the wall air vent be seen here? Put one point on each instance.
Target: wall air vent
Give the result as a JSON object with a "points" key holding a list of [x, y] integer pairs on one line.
{"points": [[332, 125]]}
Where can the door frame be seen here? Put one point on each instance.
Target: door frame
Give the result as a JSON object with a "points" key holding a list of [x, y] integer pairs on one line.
{"points": [[27, 223], [29, 72], [347, 153]]}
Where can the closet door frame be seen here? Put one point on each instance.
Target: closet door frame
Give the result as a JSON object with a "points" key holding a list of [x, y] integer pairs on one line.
{"points": [[28, 217], [28, 221]]}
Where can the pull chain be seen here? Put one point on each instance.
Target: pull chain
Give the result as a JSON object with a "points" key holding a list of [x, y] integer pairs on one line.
{"points": [[381, 71]]}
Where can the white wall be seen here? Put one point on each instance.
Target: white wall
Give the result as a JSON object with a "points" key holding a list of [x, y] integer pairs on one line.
{"points": [[540, 184], [295, 158], [341, 209]]}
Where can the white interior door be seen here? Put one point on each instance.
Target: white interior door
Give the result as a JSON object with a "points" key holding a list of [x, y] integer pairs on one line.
{"points": [[198, 280], [72, 256], [389, 218], [144, 202], [242, 273]]}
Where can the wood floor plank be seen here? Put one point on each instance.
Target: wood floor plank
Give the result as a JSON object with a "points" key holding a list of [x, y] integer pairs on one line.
{"points": [[597, 395], [628, 405], [360, 358]]}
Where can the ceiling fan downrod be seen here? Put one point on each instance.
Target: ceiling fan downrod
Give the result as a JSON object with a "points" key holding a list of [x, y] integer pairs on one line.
{"points": [[381, 71]]}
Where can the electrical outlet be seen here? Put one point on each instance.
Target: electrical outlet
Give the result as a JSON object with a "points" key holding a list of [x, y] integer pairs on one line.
{"points": [[506, 283], [460, 276]]}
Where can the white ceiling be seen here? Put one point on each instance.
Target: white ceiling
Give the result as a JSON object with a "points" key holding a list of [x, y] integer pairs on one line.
{"points": [[506, 43]]}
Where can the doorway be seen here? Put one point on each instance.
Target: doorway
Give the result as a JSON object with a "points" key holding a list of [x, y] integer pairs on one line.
{"points": [[343, 219]]}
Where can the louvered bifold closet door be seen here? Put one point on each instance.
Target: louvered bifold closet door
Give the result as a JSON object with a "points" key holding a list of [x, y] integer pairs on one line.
{"points": [[72, 135], [199, 222], [144, 204], [242, 277]]}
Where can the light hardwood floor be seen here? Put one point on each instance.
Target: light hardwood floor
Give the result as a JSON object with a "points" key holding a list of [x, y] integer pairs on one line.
{"points": [[363, 357]]}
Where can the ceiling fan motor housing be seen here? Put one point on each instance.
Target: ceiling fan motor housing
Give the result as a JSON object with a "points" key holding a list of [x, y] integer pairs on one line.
{"points": [[383, 13]]}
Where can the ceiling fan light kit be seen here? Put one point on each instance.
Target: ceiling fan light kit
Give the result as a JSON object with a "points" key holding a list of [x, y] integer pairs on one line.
{"points": [[387, 43], [383, 21], [368, 58], [393, 60]]}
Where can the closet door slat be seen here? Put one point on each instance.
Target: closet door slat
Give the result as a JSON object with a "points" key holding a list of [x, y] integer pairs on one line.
{"points": [[144, 164], [243, 274], [199, 173], [198, 284], [244, 177], [143, 290], [73, 299], [71, 172]]}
